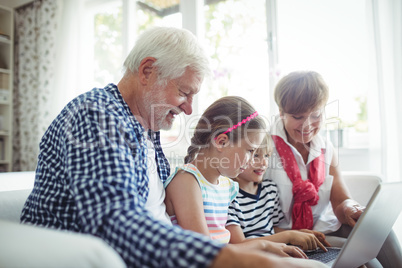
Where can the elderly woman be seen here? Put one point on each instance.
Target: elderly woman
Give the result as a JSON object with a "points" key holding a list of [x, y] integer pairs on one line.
{"points": [[312, 193]]}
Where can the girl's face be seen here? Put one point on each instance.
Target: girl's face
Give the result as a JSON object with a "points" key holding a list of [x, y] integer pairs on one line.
{"points": [[301, 128], [255, 171], [237, 156]]}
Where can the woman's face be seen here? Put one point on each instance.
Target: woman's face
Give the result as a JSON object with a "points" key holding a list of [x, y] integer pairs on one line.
{"points": [[301, 128]]}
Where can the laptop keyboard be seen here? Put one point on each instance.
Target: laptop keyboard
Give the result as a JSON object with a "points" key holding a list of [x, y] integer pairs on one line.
{"points": [[322, 256]]}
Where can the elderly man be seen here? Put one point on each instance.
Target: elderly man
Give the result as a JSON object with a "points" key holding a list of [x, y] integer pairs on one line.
{"points": [[94, 176]]}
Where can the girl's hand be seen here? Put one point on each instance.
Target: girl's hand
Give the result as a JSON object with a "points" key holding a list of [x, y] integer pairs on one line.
{"points": [[305, 240], [283, 250], [232, 256], [319, 235], [279, 249]]}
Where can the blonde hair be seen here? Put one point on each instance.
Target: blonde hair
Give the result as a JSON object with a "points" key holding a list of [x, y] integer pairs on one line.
{"points": [[224, 113], [299, 92], [267, 144]]}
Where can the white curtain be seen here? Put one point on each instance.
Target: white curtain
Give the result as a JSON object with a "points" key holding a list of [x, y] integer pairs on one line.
{"points": [[49, 69], [71, 58], [35, 36], [386, 94]]}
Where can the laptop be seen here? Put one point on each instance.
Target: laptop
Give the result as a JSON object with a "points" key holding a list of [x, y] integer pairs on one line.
{"points": [[370, 231]]}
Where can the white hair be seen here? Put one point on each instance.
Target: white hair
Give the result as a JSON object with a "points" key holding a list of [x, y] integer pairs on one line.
{"points": [[174, 50]]}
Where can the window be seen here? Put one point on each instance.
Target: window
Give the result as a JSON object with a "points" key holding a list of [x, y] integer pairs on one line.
{"points": [[108, 43], [158, 13], [236, 39], [239, 61], [328, 36], [105, 34]]}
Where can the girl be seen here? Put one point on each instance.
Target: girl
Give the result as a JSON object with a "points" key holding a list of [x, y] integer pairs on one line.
{"points": [[199, 193], [256, 210]]}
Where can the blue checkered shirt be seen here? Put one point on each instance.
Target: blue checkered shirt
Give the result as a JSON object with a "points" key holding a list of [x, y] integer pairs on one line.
{"points": [[91, 178]]}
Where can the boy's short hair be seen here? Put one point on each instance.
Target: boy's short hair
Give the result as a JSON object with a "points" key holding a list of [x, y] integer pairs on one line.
{"points": [[267, 144], [300, 92]]}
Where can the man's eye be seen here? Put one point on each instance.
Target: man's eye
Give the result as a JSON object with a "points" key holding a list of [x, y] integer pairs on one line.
{"points": [[184, 94]]}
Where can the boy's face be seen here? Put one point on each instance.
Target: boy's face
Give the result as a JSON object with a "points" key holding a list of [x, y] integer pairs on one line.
{"points": [[258, 165]]}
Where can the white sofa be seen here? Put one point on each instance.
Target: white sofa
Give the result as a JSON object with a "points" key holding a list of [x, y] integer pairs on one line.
{"points": [[31, 246]]}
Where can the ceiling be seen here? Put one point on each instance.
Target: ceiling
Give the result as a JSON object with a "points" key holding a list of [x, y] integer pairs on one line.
{"points": [[161, 8], [161, 4]]}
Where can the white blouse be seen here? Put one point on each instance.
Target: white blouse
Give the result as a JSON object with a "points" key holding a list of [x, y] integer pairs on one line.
{"points": [[324, 219]]}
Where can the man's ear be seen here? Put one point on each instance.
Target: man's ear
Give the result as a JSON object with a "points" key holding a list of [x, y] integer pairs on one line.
{"points": [[146, 70], [221, 141]]}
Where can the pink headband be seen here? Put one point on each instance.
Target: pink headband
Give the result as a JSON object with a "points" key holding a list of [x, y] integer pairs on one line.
{"points": [[240, 123]]}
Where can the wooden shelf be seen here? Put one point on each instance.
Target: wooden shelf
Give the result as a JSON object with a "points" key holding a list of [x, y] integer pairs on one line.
{"points": [[6, 86], [5, 41], [5, 71]]}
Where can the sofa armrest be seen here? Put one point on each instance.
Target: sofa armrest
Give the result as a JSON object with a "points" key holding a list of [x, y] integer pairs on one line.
{"points": [[31, 246], [15, 188], [361, 185], [20, 180], [11, 204]]}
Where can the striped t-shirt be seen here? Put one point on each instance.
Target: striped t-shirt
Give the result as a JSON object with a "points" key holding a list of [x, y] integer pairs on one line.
{"points": [[216, 200], [256, 214]]}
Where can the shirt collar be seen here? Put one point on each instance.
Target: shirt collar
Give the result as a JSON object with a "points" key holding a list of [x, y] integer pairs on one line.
{"points": [[138, 128]]}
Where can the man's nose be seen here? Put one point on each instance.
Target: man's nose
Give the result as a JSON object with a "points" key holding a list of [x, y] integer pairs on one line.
{"points": [[187, 106]]}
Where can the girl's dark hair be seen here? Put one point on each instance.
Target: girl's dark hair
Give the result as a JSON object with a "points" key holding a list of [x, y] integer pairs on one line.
{"points": [[217, 118]]}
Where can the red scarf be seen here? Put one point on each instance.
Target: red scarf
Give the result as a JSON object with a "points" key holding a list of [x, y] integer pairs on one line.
{"points": [[305, 193]]}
